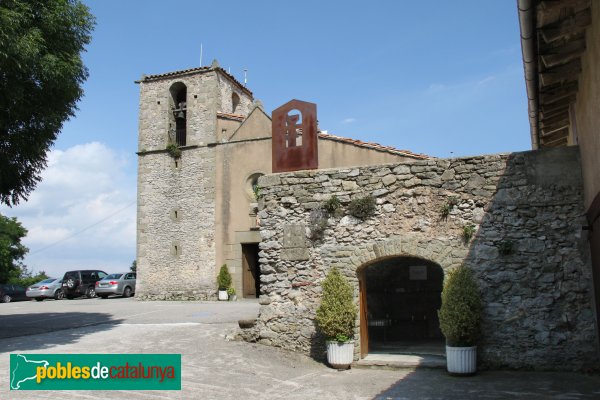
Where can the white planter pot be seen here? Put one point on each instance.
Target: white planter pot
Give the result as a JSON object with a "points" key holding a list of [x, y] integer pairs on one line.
{"points": [[340, 355], [461, 360], [223, 296]]}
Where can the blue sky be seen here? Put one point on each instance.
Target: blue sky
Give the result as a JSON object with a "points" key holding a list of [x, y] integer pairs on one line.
{"points": [[441, 78]]}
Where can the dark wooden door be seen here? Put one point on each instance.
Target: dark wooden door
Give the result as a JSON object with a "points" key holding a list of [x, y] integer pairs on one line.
{"points": [[251, 272], [593, 217], [364, 322]]}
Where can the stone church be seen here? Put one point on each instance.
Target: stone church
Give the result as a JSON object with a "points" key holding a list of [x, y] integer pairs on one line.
{"points": [[198, 211], [526, 223]]}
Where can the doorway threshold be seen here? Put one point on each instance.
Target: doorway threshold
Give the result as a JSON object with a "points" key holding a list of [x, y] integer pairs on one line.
{"points": [[405, 354], [400, 361]]}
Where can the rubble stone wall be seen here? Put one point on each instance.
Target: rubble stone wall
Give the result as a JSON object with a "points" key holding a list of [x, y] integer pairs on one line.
{"points": [[528, 251]]}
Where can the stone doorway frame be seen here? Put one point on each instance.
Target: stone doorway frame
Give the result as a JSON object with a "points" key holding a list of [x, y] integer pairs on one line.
{"points": [[448, 254]]}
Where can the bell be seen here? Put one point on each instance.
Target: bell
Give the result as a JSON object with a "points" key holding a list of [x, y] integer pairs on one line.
{"points": [[180, 114]]}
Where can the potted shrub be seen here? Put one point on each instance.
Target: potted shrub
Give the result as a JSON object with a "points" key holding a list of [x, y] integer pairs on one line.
{"points": [[460, 317], [223, 282], [231, 293], [336, 317]]}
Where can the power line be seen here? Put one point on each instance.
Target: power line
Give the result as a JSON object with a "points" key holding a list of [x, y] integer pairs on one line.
{"points": [[83, 230]]}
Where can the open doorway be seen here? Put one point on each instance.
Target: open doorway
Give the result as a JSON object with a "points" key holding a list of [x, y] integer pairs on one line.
{"points": [[251, 270], [400, 298]]}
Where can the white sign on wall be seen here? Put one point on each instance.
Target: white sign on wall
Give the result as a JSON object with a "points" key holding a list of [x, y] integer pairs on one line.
{"points": [[417, 272]]}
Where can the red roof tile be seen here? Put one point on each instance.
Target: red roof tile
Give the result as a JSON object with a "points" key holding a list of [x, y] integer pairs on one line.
{"points": [[237, 117], [374, 146]]}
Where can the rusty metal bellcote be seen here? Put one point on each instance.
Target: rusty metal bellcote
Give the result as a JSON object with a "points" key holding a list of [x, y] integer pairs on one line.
{"points": [[294, 130]]}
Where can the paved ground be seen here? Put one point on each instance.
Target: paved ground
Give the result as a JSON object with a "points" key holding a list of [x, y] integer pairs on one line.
{"points": [[214, 367]]}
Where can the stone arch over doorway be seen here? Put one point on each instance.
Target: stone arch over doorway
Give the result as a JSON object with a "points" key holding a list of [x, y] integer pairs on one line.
{"points": [[407, 267]]}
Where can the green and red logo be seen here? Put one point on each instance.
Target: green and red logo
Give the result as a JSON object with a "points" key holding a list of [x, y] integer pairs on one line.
{"points": [[95, 372]]}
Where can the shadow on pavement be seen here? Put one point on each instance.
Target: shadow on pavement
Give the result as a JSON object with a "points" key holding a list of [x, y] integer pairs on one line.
{"points": [[21, 328], [437, 384]]}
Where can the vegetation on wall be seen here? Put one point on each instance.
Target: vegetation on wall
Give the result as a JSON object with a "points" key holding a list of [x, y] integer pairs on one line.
{"points": [[173, 150], [460, 313], [468, 232], [362, 207], [332, 205], [336, 315], [448, 206]]}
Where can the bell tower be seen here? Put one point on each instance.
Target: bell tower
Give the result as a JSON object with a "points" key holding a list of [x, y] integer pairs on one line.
{"points": [[177, 176]]}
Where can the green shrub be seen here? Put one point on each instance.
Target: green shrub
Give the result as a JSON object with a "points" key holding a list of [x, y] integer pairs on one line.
{"points": [[332, 205], [468, 232], [336, 315], [231, 291], [445, 211], [460, 313], [224, 278], [362, 207], [173, 150], [448, 206], [257, 192]]}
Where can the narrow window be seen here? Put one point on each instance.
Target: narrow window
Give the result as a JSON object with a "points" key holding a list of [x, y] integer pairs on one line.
{"points": [[293, 134], [235, 102], [179, 114]]}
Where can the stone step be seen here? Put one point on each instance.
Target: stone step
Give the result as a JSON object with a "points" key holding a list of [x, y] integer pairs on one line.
{"points": [[401, 361]]}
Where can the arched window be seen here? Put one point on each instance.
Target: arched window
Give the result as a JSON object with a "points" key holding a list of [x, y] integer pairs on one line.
{"points": [[178, 117], [235, 101]]}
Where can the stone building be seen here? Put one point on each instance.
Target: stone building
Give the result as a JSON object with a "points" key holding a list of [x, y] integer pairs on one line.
{"points": [[534, 218], [527, 223], [561, 54], [197, 210]]}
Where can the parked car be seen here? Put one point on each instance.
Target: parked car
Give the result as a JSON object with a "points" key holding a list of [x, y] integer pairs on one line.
{"points": [[81, 282], [10, 292], [46, 289], [121, 284]]}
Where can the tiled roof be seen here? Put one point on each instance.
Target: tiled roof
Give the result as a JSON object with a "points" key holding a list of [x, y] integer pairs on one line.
{"points": [[237, 117], [147, 78], [374, 146], [360, 143]]}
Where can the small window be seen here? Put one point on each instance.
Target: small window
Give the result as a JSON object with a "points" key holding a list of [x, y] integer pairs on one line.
{"points": [[101, 274], [235, 102]]}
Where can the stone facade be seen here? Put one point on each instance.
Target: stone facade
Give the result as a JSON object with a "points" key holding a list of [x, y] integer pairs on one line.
{"points": [[176, 197], [197, 212], [537, 292]]}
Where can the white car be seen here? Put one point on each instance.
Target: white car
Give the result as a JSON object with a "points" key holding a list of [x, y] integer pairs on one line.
{"points": [[47, 289]]}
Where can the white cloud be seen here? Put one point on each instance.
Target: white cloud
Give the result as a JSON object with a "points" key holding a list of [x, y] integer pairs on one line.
{"points": [[82, 214], [348, 120]]}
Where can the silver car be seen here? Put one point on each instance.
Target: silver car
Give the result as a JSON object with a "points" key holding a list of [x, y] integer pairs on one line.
{"points": [[47, 289], [121, 284]]}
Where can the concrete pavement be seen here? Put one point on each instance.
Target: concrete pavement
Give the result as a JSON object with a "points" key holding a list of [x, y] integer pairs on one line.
{"points": [[215, 367]]}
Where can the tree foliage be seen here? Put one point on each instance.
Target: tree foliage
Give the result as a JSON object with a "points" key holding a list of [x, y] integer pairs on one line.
{"points": [[336, 315], [11, 249], [460, 313], [41, 73], [27, 278], [133, 267]]}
